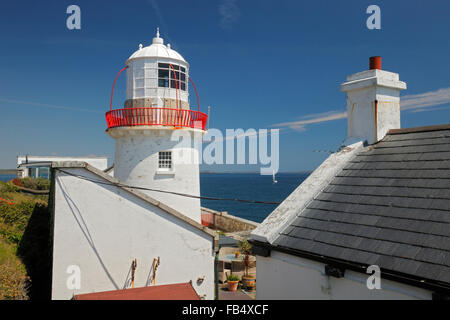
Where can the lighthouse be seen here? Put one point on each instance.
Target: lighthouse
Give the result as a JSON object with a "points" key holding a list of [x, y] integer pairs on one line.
{"points": [[157, 106]]}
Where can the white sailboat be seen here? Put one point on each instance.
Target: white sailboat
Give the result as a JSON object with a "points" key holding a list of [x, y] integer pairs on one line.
{"points": [[273, 177]]}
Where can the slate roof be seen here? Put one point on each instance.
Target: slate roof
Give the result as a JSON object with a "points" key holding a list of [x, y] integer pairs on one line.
{"points": [[389, 206]]}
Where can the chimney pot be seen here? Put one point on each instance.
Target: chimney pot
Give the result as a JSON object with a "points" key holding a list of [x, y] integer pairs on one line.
{"points": [[375, 62]]}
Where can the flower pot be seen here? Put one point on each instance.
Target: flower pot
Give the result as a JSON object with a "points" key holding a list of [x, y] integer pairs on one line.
{"points": [[249, 282], [232, 285]]}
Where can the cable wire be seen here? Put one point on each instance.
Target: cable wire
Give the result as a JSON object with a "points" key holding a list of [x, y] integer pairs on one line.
{"points": [[170, 192]]}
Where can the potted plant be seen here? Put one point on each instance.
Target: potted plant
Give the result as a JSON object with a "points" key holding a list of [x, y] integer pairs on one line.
{"points": [[248, 281], [232, 281]]}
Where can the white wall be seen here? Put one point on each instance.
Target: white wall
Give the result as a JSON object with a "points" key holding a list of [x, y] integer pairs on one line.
{"points": [[364, 119], [136, 164], [102, 228], [286, 277]]}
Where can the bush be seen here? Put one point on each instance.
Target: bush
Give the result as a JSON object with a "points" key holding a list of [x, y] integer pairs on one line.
{"points": [[25, 227], [35, 183], [17, 215], [17, 182], [8, 187]]}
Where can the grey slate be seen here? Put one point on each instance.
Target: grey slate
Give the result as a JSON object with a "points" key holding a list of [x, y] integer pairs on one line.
{"points": [[389, 206]]}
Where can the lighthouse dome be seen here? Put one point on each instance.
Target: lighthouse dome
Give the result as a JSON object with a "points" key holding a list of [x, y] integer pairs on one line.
{"points": [[157, 50]]}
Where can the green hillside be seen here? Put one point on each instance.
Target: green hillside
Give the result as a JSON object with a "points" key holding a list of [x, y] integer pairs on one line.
{"points": [[24, 241]]}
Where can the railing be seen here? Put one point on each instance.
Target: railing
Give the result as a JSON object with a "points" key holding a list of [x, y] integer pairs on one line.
{"points": [[130, 117]]}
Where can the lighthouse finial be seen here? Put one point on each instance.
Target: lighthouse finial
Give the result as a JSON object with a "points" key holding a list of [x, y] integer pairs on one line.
{"points": [[157, 39]]}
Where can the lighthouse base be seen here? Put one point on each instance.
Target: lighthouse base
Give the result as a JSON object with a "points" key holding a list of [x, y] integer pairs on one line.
{"points": [[167, 170]]}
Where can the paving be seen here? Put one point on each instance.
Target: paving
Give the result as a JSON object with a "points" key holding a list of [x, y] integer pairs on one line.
{"points": [[239, 294]]}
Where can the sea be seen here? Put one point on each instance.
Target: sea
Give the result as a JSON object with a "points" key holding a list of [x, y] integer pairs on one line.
{"points": [[7, 177], [246, 186]]}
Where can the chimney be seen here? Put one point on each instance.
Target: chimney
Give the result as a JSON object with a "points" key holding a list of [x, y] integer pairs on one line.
{"points": [[373, 102]]}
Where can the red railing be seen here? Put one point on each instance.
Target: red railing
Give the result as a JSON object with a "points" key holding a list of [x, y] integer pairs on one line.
{"points": [[130, 117]]}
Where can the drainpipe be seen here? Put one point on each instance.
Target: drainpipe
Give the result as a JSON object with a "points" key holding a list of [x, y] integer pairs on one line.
{"points": [[216, 276]]}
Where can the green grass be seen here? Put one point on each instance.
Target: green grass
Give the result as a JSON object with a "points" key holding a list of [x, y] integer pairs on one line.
{"points": [[13, 278], [24, 241]]}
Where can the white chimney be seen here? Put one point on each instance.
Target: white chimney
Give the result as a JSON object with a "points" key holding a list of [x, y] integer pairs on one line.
{"points": [[373, 102]]}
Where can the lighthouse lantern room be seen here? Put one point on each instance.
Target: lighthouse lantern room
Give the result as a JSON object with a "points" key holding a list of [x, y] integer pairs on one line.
{"points": [[157, 104]]}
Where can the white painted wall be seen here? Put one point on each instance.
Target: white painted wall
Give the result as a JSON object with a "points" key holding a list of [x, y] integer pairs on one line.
{"points": [[102, 228], [136, 164], [287, 277], [363, 88]]}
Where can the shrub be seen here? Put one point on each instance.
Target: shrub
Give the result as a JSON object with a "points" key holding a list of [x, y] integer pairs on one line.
{"points": [[18, 214], [25, 227], [233, 277], [35, 183], [245, 247], [17, 182], [8, 187]]}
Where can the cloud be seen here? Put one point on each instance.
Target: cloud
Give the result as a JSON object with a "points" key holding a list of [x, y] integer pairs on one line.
{"points": [[425, 100], [300, 125], [229, 13], [412, 103]]}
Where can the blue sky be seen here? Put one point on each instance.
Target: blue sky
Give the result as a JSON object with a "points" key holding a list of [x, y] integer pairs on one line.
{"points": [[256, 63]]}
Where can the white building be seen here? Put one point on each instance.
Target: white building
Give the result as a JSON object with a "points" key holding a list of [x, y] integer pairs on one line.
{"points": [[39, 166], [382, 200], [103, 223]]}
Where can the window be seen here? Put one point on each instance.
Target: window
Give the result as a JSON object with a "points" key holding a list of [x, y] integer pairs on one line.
{"points": [[167, 76], [165, 160]]}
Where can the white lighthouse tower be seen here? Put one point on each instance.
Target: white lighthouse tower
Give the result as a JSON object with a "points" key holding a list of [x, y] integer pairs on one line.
{"points": [[157, 105]]}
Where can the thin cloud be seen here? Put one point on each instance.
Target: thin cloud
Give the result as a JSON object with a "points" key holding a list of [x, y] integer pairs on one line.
{"points": [[229, 13], [428, 109], [46, 105], [300, 125], [422, 102]]}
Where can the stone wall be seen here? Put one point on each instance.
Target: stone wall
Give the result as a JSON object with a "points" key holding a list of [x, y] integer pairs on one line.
{"points": [[229, 223]]}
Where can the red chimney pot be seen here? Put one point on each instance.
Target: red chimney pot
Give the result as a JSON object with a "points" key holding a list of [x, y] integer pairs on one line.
{"points": [[375, 62]]}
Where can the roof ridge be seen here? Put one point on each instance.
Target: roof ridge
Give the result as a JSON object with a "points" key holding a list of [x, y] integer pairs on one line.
{"points": [[420, 129]]}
